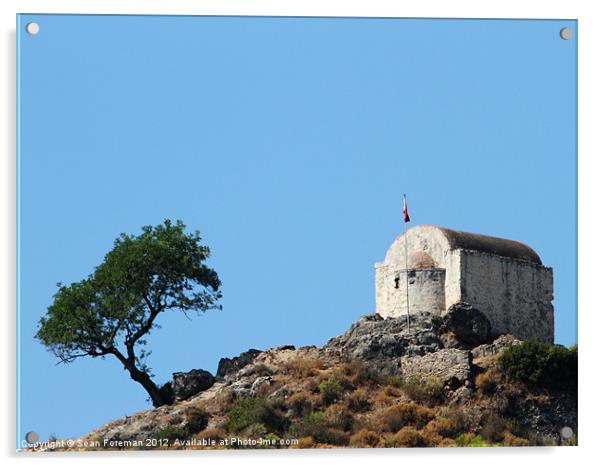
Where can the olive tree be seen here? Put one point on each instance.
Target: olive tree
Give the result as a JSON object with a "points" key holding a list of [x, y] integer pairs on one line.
{"points": [[110, 312]]}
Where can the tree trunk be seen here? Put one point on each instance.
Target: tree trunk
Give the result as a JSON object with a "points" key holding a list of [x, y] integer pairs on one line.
{"points": [[143, 379]]}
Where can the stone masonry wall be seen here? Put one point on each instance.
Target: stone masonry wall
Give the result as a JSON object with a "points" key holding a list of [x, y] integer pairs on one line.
{"points": [[426, 291], [515, 295]]}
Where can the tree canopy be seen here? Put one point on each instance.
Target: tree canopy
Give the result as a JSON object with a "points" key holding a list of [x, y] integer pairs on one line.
{"points": [[113, 309]]}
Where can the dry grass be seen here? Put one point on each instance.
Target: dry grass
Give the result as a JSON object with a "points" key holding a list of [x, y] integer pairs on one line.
{"points": [[215, 434], [306, 442], [354, 373], [511, 440], [429, 391], [300, 403], [303, 367], [386, 396], [407, 414], [488, 382], [338, 417], [359, 400], [365, 438], [409, 437]]}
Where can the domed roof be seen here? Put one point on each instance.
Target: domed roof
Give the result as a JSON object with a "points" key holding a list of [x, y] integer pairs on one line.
{"points": [[420, 260]]}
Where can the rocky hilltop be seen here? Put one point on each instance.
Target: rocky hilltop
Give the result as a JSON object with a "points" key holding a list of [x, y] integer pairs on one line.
{"points": [[440, 382]]}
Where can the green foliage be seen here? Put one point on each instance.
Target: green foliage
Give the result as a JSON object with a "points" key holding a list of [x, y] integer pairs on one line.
{"points": [[536, 363], [330, 389], [254, 410], [316, 426], [470, 440], [112, 310], [171, 433]]}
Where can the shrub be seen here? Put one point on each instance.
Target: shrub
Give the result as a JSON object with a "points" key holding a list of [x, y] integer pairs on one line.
{"points": [[470, 440], [446, 443], [460, 418], [338, 417], [428, 391], [487, 382], [365, 438], [254, 410], [386, 396], [511, 440], [359, 400], [316, 426], [300, 404], [355, 373], [171, 433], [441, 426], [409, 437], [305, 442], [492, 428], [212, 434], [394, 380], [401, 415], [195, 419], [303, 367], [330, 389], [536, 363]]}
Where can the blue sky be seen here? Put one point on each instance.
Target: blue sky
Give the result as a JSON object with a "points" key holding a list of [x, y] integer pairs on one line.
{"points": [[288, 142]]}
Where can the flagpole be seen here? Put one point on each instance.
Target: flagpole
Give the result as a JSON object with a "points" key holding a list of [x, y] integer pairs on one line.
{"points": [[405, 235]]}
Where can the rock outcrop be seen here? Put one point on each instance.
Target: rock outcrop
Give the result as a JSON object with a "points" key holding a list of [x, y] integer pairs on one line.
{"points": [[447, 362], [228, 366], [187, 384]]}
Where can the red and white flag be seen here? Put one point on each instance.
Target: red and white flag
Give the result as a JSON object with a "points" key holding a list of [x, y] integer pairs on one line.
{"points": [[406, 216]]}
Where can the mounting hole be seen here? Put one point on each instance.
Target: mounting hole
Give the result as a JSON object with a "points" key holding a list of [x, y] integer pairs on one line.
{"points": [[566, 432], [566, 33], [32, 28], [32, 437]]}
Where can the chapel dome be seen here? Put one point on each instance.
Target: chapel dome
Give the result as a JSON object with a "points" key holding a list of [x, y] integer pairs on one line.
{"points": [[420, 260]]}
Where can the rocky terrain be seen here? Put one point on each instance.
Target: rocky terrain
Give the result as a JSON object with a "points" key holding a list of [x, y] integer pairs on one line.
{"points": [[439, 383]]}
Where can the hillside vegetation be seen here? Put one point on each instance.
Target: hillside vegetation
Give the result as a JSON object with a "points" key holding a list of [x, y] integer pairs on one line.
{"points": [[379, 385]]}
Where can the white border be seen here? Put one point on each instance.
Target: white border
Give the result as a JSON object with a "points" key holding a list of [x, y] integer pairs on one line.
{"points": [[590, 130]]}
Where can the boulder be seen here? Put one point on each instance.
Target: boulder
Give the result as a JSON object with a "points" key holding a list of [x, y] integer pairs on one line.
{"points": [[187, 384], [451, 366], [498, 345], [227, 366], [465, 327], [381, 342]]}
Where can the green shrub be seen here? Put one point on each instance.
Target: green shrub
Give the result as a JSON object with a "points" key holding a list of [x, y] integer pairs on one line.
{"points": [[330, 389], [536, 363], [316, 426], [254, 410], [429, 391], [471, 440]]}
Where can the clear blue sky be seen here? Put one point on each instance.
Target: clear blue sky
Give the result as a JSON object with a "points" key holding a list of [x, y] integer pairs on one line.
{"points": [[288, 143]]}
